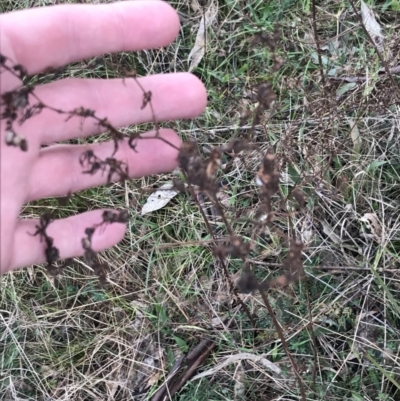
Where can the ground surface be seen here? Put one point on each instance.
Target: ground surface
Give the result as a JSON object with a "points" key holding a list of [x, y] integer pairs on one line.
{"points": [[335, 138]]}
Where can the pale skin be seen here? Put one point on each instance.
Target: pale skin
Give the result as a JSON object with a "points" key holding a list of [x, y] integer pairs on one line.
{"points": [[52, 37]]}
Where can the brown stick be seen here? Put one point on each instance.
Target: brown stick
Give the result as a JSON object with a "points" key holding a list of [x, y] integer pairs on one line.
{"points": [[193, 360], [284, 343]]}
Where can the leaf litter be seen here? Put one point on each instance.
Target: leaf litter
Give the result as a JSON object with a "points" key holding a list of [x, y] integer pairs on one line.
{"points": [[372, 26], [199, 48]]}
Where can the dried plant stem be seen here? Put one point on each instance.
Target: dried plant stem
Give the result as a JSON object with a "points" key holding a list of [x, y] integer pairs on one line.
{"points": [[221, 259], [175, 381], [314, 25], [284, 343], [314, 340]]}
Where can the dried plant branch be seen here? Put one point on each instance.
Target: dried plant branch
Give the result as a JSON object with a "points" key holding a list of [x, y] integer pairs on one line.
{"points": [[52, 253], [317, 44], [284, 344], [313, 337], [188, 366]]}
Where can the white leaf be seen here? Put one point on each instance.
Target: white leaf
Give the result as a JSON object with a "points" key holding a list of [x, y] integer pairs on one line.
{"points": [[159, 198], [199, 48], [372, 26]]}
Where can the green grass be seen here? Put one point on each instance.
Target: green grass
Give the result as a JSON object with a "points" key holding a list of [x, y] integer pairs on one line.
{"points": [[70, 339]]}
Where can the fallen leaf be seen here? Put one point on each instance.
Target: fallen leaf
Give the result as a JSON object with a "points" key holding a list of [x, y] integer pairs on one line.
{"points": [[239, 357], [372, 26], [345, 88], [47, 371], [239, 378], [155, 377], [372, 223], [137, 324], [328, 230], [199, 48], [218, 322], [159, 198], [195, 5], [355, 135], [150, 365], [307, 232]]}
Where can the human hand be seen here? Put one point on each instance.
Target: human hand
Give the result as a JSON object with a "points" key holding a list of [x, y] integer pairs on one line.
{"points": [[52, 37]]}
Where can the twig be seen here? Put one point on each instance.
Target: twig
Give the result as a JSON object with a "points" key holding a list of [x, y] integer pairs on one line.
{"points": [[192, 362], [314, 339], [363, 78], [284, 343], [314, 25]]}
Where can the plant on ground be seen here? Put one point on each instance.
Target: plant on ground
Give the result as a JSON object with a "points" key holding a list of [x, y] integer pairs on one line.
{"points": [[282, 243]]}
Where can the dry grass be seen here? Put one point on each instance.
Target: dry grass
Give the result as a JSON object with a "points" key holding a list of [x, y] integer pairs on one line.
{"points": [[69, 339]]}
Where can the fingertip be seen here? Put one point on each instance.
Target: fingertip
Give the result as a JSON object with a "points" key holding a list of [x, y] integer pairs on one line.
{"points": [[161, 153], [72, 32], [172, 137], [67, 235], [108, 237], [196, 93], [172, 151], [170, 18], [159, 24], [201, 94]]}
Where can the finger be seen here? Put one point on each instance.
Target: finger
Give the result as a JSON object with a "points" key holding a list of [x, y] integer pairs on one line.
{"points": [[57, 35], [67, 235], [174, 96], [59, 172]]}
